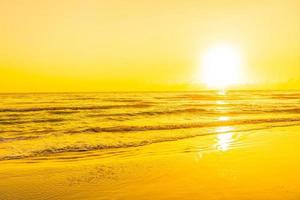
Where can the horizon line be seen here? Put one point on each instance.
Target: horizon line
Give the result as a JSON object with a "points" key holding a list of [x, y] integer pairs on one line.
{"points": [[146, 91]]}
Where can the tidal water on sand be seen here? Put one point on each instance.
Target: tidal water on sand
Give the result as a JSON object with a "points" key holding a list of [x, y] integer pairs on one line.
{"points": [[185, 145], [42, 126]]}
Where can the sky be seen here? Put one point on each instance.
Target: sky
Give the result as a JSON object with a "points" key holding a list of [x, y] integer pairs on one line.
{"points": [[117, 45]]}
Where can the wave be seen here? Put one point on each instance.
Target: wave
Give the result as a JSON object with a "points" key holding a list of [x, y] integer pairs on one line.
{"points": [[285, 96], [187, 125], [2, 139], [149, 113], [17, 121], [206, 109], [36, 109], [125, 100], [87, 148], [202, 97], [45, 114]]}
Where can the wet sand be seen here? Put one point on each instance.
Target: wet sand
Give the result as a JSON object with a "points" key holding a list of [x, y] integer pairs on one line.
{"points": [[262, 164]]}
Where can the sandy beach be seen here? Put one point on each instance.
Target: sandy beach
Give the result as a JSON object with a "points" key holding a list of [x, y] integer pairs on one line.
{"points": [[149, 100], [245, 165]]}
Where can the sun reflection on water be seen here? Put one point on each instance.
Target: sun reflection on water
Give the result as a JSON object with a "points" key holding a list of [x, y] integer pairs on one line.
{"points": [[224, 138], [224, 129], [224, 141], [220, 102], [223, 119], [221, 92], [225, 135]]}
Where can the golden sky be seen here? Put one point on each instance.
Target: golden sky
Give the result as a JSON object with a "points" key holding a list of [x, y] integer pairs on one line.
{"points": [[97, 45]]}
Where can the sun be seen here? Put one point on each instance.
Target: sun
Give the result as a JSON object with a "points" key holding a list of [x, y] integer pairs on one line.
{"points": [[221, 67]]}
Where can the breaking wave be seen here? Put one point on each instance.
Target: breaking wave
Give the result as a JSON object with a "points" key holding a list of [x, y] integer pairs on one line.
{"points": [[32, 125]]}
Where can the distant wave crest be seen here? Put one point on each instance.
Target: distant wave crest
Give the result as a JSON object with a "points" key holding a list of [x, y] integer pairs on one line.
{"points": [[36, 109]]}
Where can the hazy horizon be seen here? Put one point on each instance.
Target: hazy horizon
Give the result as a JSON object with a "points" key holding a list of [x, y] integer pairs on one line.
{"points": [[120, 46]]}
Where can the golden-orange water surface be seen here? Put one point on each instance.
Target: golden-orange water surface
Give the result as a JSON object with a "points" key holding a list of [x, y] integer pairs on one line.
{"points": [[188, 145]]}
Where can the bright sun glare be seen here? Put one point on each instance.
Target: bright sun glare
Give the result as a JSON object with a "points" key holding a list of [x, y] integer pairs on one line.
{"points": [[221, 67]]}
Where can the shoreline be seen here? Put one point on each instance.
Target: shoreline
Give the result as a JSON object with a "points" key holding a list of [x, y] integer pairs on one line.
{"points": [[249, 165]]}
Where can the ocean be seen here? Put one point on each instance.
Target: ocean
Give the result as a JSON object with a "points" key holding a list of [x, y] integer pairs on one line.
{"points": [[43, 126]]}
